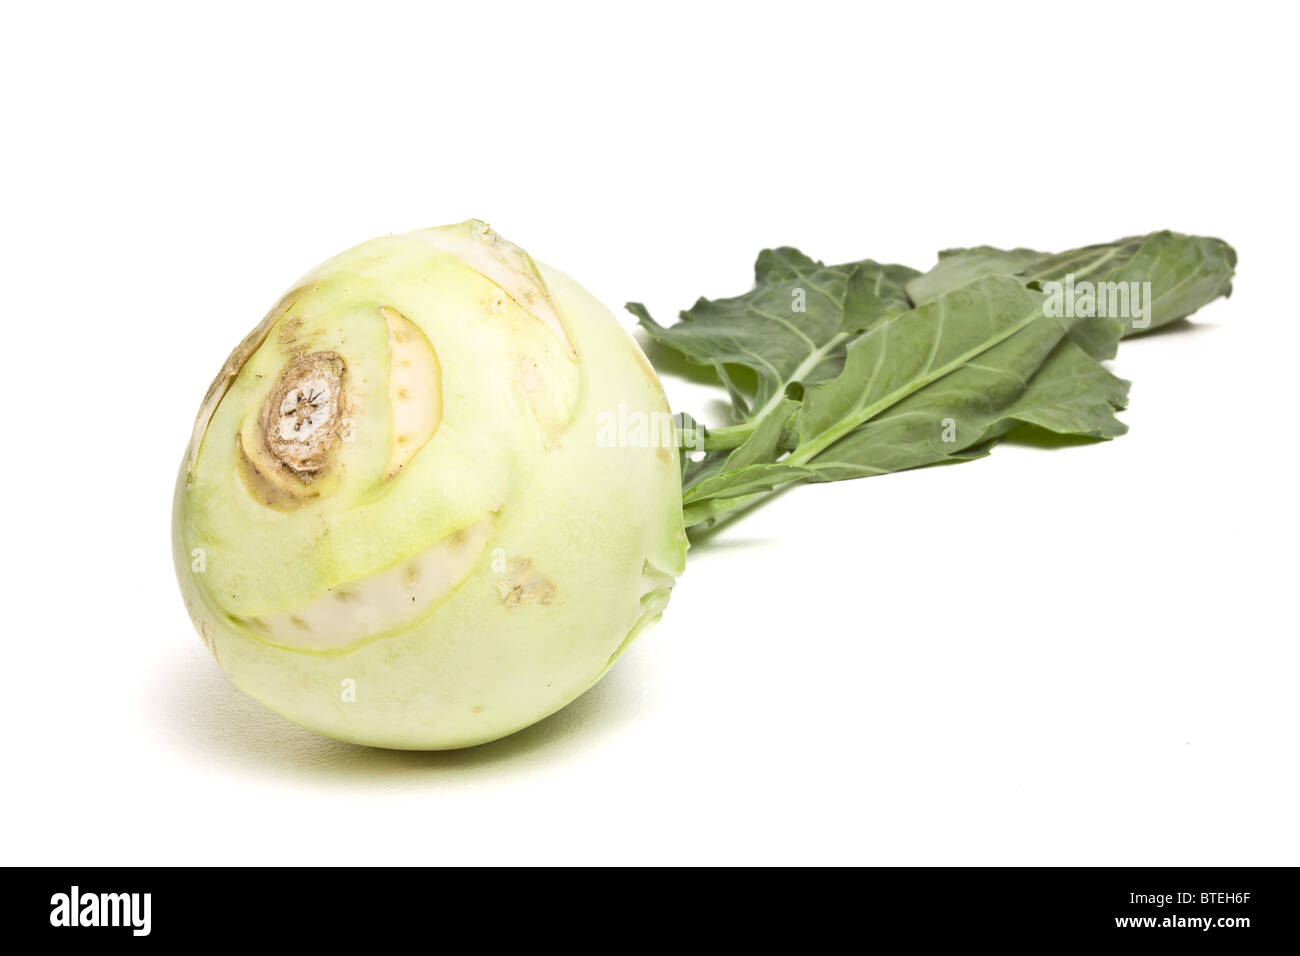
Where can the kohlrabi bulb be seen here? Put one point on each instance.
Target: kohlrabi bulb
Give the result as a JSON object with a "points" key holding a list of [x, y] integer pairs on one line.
{"points": [[413, 512]]}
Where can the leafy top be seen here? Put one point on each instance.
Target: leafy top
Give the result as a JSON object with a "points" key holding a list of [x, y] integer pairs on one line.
{"points": [[862, 369]]}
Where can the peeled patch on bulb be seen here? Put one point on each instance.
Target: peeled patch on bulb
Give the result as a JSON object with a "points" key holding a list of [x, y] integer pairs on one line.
{"points": [[395, 524], [354, 612], [508, 267], [414, 389]]}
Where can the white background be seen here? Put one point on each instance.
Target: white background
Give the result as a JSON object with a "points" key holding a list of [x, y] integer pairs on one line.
{"points": [[1085, 655]]}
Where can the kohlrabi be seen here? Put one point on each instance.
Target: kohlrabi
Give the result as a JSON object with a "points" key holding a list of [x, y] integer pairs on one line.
{"points": [[396, 523], [431, 498]]}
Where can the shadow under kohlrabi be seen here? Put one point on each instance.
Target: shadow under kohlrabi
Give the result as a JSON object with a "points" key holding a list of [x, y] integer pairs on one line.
{"points": [[217, 724]]}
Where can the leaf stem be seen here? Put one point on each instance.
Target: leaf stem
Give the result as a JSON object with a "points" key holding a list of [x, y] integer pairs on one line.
{"points": [[728, 437]]}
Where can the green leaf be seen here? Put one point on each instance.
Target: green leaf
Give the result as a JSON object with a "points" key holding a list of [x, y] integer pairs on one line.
{"points": [[874, 294], [961, 416], [862, 383], [959, 266], [1184, 272], [949, 415], [791, 328], [1072, 394], [910, 351]]}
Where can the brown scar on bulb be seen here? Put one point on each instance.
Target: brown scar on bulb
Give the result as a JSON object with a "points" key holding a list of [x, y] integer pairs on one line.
{"points": [[522, 585], [302, 418], [301, 424]]}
